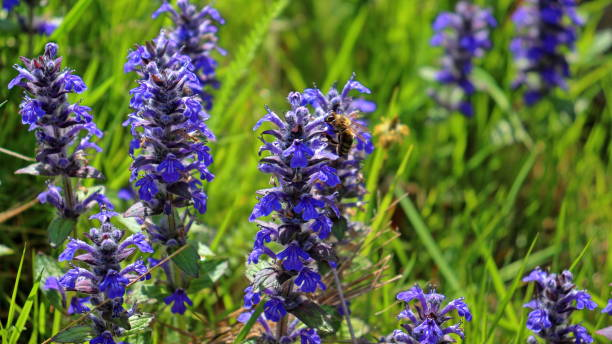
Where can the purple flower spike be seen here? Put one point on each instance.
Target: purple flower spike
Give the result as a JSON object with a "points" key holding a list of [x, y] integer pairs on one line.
{"points": [[464, 35], [63, 131], [166, 114], [195, 35], [539, 47], [178, 299], [556, 298], [427, 318], [297, 154], [104, 281], [343, 175]]}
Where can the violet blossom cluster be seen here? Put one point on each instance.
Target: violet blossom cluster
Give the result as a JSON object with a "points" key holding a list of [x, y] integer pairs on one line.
{"points": [[427, 318], [98, 274], [195, 35], [556, 298], [171, 158], [299, 160], [546, 29], [63, 131], [39, 25], [464, 35], [350, 183]]}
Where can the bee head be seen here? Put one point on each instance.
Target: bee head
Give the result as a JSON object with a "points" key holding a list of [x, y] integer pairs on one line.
{"points": [[330, 118]]}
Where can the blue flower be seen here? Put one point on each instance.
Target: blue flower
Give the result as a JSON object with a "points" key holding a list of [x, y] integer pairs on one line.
{"points": [[427, 318], [308, 207], [63, 131], [168, 125], [542, 36], [552, 307], [170, 169], [309, 336], [293, 256], [178, 299], [608, 308], [74, 83], [147, 188], [195, 34], [538, 320], [308, 281], [113, 284], [322, 225], [31, 112], [464, 35], [428, 332], [104, 338], [266, 205], [73, 246], [274, 309], [77, 305], [9, 4], [251, 298], [299, 153]]}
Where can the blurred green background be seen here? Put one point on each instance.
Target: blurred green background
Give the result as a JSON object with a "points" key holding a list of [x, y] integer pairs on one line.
{"points": [[473, 196]]}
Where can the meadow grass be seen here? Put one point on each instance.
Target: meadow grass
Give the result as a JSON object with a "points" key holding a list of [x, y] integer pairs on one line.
{"points": [[477, 201]]}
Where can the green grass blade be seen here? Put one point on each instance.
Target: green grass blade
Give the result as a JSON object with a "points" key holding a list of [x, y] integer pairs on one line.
{"points": [[517, 279], [428, 241], [70, 19], [247, 327], [345, 55], [25, 312], [11, 313], [584, 250]]}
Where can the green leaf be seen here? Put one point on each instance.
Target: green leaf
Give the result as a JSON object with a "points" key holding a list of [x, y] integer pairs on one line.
{"points": [[25, 311], [47, 267], [188, 261], [325, 319], [139, 323], [487, 83], [59, 229], [76, 334], [210, 272], [70, 19], [428, 241], [247, 327], [339, 228]]}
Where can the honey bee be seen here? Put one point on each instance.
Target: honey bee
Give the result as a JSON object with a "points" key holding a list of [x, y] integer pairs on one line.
{"points": [[346, 128]]}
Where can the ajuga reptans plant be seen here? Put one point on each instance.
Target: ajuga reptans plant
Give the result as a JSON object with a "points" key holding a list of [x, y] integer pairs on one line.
{"points": [[556, 298], [347, 137], [169, 148], [427, 317], [299, 161], [98, 277], [63, 131], [464, 35], [195, 35], [545, 30]]}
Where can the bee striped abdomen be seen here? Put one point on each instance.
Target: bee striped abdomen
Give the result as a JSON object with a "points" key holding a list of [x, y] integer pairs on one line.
{"points": [[345, 142]]}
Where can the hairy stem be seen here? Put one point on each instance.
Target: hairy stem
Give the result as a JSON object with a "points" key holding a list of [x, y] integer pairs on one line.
{"points": [[345, 310], [70, 198], [281, 328]]}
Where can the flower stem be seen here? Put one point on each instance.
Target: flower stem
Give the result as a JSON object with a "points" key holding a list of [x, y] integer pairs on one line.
{"points": [[281, 329], [345, 310], [70, 198]]}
